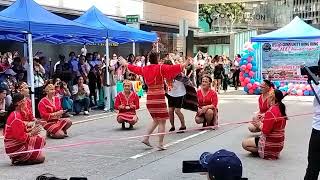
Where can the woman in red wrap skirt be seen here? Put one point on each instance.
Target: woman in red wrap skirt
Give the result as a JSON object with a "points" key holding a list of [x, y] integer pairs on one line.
{"points": [[154, 75], [51, 113], [18, 139], [271, 141]]}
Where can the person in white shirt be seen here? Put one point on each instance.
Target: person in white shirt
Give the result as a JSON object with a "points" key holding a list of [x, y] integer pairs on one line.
{"points": [[110, 88], [81, 95], [175, 94], [313, 168]]}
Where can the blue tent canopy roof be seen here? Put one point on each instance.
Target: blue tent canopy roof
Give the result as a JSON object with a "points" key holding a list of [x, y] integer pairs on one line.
{"points": [[116, 31], [33, 18], [297, 29]]}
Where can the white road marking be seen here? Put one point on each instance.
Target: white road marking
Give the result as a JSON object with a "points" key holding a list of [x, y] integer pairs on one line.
{"points": [[167, 145], [94, 119]]}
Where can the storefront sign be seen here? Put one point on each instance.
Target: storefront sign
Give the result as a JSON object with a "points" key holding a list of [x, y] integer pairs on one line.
{"points": [[132, 18]]}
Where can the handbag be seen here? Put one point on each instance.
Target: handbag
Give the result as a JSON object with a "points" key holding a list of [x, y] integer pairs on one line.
{"points": [[190, 100]]}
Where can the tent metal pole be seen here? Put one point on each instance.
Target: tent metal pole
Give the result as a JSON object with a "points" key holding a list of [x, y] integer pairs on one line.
{"points": [[133, 47], [25, 49], [157, 47], [107, 61], [25, 55], [31, 75]]}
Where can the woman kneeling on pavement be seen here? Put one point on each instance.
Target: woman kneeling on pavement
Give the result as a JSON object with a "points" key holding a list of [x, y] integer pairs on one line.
{"points": [[28, 117], [18, 139], [208, 100], [270, 143], [127, 102], [51, 112], [264, 101]]}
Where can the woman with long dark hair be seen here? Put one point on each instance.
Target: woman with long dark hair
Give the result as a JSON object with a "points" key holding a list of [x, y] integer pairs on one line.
{"points": [[154, 75], [218, 75], [270, 143], [18, 139], [264, 102]]}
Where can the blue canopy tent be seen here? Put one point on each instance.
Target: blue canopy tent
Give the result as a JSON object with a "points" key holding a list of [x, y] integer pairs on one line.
{"points": [[115, 31], [296, 30], [29, 18]]}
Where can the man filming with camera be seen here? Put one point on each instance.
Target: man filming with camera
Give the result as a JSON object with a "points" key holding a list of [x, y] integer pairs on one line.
{"points": [[313, 168]]}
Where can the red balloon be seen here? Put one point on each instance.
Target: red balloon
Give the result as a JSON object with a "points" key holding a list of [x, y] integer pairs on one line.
{"points": [[241, 78], [247, 80], [243, 67], [249, 86], [243, 84], [251, 91], [247, 70], [249, 66], [241, 73], [251, 73], [249, 59]]}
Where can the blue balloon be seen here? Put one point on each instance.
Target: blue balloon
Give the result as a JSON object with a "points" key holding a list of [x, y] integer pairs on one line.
{"points": [[255, 46], [244, 62], [253, 63], [257, 91], [246, 89], [246, 51], [254, 68], [311, 93], [251, 53], [306, 93], [246, 75], [245, 56], [277, 83], [252, 81]]}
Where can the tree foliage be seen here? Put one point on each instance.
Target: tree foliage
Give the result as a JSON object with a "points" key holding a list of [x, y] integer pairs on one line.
{"points": [[232, 11]]}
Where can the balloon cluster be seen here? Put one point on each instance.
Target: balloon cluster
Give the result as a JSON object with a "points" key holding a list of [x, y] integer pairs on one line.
{"points": [[294, 89], [248, 67]]}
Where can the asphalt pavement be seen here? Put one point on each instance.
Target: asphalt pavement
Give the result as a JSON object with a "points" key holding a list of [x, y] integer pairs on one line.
{"points": [[99, 149]]}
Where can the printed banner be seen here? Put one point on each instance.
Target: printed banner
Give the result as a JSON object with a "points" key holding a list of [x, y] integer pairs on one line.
{"points": [[282, 60]]}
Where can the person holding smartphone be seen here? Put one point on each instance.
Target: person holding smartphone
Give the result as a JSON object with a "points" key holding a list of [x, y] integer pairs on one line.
{"points": [[51, 112], [81, 93]]}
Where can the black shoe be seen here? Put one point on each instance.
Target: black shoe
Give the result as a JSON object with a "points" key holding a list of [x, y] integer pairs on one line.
{"points": [[172, 129], [204, 124], [123, 125], [182, 129], [131, 126]]}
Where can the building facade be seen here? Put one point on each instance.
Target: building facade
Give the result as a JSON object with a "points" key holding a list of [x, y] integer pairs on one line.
{"points": [[259, 16], [308, 10]]}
